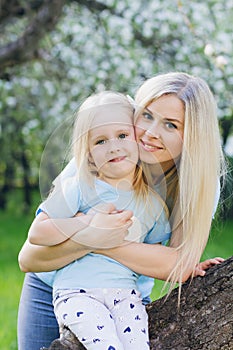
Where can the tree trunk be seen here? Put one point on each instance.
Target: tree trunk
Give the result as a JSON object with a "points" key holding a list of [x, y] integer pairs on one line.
{"points": [[5, 189], [204, 320]]}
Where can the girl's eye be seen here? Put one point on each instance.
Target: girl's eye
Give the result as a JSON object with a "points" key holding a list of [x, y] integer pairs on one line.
{"points": [[170, 125], [122, 136], [147, 116], [100, 142]]}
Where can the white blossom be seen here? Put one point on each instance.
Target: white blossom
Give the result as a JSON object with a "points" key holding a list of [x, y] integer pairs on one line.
{"points": [[209, 50]]}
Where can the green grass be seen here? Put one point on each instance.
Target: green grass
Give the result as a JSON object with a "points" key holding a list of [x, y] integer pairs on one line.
{"points": [[13, 231]]}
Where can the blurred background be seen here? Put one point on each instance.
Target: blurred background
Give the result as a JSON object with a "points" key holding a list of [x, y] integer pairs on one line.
{"points": [[53, 54]]}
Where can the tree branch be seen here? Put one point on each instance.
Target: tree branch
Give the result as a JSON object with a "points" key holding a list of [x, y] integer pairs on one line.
{"points": [[96, 7], [25, 48], [9, 9]]}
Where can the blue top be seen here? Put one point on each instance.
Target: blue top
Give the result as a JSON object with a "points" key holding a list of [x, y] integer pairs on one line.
{"points": [[150, 225]]}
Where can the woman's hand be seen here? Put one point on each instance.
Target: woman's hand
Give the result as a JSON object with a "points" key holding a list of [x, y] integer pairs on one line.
{"points": [[107, 228], [200, 269]]}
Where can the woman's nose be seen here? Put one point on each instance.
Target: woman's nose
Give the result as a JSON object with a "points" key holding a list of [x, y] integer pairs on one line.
{"points": [[153, 131]]}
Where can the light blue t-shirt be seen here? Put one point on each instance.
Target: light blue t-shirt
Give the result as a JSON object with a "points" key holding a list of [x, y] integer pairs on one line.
{"points": [[94, 270], [65, 205]]}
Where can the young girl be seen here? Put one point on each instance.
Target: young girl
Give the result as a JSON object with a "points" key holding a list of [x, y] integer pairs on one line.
{"points": [[171, 107], [95, 296]]}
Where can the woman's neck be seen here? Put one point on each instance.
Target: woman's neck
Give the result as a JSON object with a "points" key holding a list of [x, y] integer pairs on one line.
{"points": [[160, 170]]}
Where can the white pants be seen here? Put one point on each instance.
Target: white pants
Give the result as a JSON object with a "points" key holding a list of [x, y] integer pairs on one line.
{"points": [[104, 319]]}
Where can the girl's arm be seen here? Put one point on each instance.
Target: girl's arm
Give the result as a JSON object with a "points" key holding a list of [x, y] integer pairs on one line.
{"points": [[97, 230], [46, 258], [45, 231]]}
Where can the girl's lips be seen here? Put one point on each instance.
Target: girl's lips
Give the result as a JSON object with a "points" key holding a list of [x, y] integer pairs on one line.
{"points": [[118, 159], [149, 147]]}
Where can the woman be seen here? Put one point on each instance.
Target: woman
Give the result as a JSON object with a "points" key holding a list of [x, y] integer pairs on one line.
{"points": [[180, 148]]}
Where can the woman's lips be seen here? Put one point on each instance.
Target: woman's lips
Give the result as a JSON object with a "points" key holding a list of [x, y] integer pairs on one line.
{"points": [[149, 147]]}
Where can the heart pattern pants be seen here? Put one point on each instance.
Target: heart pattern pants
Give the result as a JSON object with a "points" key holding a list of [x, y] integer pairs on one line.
{"points": [[104, 319]]}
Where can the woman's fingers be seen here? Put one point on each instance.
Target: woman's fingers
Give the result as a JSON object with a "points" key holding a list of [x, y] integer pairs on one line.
{"points": [[204, 265]]}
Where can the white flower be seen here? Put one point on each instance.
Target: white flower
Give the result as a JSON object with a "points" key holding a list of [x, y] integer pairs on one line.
{"points": [[11, 101], [221, 61], [208, 50]]}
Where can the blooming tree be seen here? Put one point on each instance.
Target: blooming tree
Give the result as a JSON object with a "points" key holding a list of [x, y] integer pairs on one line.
{"points": [[53, 54]]}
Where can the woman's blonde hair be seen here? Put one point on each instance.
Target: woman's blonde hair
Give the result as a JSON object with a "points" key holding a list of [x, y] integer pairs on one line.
{"points": [[193, 182], [91, 108]]}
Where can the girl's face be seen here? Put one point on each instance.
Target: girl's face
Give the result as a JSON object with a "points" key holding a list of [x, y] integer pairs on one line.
{"points": [[159, 130], [112, 145]]}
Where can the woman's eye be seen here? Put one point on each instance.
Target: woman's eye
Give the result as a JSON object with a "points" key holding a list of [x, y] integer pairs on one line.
{"points": [[122, 136], [170, 125], [100, 142], [147, 115]]}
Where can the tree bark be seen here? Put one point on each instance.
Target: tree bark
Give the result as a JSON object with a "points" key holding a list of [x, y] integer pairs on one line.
{"points": [[204, 320]]}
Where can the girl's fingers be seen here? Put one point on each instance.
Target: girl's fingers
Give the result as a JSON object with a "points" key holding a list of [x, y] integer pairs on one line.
{"points": [[126, 215]]}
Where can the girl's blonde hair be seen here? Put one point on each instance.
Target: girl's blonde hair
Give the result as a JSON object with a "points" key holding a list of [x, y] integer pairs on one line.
{"points": [[193, 182], [90, 108]]}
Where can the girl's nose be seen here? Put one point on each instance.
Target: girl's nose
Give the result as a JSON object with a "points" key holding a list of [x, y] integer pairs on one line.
{"points": [[114, 146]]}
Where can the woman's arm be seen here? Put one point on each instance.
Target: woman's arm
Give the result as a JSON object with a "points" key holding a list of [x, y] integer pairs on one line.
{"points": [[176, 237], [153, 260], [41, 258]]}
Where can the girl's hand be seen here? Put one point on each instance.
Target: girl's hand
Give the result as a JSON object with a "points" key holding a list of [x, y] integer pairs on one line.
{"points": [[107, 228], [204, 265]]}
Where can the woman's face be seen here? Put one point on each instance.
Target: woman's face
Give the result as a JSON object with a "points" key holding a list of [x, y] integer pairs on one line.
{"points": [[159, 130]]}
